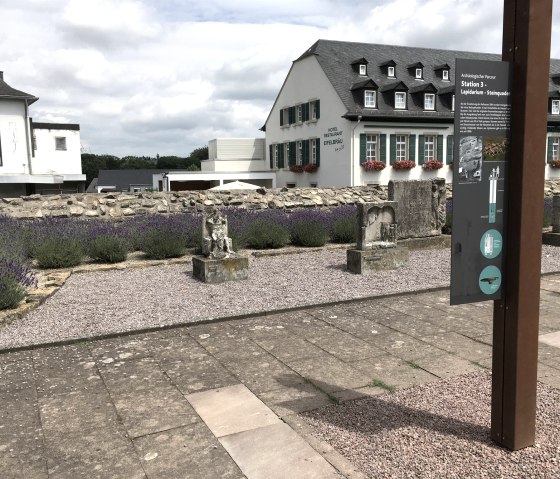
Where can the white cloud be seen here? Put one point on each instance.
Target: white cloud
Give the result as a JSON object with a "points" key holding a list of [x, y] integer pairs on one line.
{"points": [[146, 77]]}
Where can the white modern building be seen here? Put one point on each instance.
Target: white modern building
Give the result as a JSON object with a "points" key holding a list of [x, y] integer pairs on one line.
{"points": [[35, 157], [343, 104]]}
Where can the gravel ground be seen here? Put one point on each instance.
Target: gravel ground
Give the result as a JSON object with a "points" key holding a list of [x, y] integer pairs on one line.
{"points": [[441, 430], [106, 302]]}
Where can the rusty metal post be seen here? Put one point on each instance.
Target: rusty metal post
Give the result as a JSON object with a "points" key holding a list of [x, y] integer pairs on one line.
{"points": [[526, 44]]}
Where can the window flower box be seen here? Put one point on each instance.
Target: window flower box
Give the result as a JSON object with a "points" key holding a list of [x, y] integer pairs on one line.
{"points": [[433, 165], [555, 164], [310, 168], [373, 165], [403, 165], [296, 169]]}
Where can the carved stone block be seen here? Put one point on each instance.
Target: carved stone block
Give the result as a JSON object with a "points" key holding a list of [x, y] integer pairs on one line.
{"points": [[377, 259], [210, 270]]}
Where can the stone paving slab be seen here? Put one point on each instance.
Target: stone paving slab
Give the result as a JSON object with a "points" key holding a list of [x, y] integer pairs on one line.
{"points": [[276, 452], [231, 410], [552, 339]]}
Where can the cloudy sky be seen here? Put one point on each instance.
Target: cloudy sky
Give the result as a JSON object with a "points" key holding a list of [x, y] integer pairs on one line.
{"points": [[143, 77]]}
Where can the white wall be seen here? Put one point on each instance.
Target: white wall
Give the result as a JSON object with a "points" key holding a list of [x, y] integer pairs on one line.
{"points": [[13, 138], [306, 81], [233, 165], [236, 149], [48, 160]]}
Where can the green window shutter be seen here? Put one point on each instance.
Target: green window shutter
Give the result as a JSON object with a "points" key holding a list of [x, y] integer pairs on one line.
{"points": [[412, 147], [280, 156], [271, 157], [549, 150], [318, 150], [449, 149], [362, 147], [292, 159], [305, 152], [306, 112], [292, 114], [440, 147], [317, 109], [281, 117], [392, 149], [383, 148], [421, 142]]}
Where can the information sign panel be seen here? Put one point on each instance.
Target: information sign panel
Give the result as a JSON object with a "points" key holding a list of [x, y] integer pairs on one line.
{"points": [[480, 166]]}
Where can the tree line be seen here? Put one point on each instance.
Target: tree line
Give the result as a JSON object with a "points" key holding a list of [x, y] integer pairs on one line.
{"points": [[92, 163]]}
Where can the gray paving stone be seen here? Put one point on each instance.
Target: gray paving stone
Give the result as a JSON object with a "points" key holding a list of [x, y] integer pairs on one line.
{"points": [[410, 349], [257, 453], [329, 373], [461, 345], [552, 339], [22, 453], [345, 346], [102, 453], [288, 347], [76, 411], [296, 399], [133, 375], [17, 375], [231, 348], [231, 410], [190, 452], [194, 376], [264, 374], [393, 372], [446, 365], [150, 411], [18, 408]]}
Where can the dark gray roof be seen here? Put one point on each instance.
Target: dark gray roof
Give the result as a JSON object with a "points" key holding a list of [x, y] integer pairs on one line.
{"points": [[335, 58], [122, 179], [9, 93]]}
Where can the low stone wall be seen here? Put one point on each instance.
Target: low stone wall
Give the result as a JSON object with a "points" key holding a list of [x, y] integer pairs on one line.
{"points": [[119, 205]]}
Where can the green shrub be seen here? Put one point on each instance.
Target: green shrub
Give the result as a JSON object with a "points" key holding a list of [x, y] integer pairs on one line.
{"points": [[108, 249], [344, 230], [162, 243], [56, 252], [11, 293], [263, 234], [308, 233]]}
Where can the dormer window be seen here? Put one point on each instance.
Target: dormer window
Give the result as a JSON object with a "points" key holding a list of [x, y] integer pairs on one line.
{"points": [[391, 72], [363, 70], [429, 101], [445, 75], [555, 107], [400, 100], [418, 74], [369, 99]]}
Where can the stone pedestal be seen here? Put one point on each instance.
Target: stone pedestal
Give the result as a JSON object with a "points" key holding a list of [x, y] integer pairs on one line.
{"points": [[377, 259], [211, 270]]}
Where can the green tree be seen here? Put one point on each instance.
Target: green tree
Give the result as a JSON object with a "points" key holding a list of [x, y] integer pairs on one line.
{"points": [[198, 155], [91, 164]]}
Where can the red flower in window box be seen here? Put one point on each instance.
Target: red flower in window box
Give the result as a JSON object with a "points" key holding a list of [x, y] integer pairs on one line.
{"points": [[403, 165], [310, 168], [373, 165], [433, 165], [555, 164], [296, 169]]}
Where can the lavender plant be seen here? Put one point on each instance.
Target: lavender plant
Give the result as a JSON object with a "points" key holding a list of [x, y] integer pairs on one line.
{"points": [[309, 227], [343, 224], [266, 229]]}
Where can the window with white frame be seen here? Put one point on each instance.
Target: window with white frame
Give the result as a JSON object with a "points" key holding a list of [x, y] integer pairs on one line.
{"points": [[429, 147], [299, 113], [60, 143], [313, 158], [312, 111], [286, 154], [362, 69], [429, 101], [555, 156], [299, 153], [418, 73], [555, 107], [445, 75], [391, 72], [369, 99], [275, 156], [401, 147], [400, 100], [371, 147]]}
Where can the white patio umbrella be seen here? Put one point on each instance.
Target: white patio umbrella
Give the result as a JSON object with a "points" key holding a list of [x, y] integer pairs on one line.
{"points": [[236, 185]]}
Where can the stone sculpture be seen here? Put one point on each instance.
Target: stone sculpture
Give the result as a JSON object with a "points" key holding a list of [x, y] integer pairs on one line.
{"points": [[215, 241], [377, 240]]}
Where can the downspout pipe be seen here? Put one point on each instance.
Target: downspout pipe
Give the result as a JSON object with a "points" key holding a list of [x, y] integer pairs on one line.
{"points": [[28, 139], [352, 151]]}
